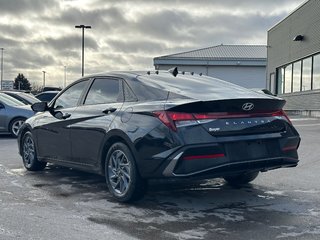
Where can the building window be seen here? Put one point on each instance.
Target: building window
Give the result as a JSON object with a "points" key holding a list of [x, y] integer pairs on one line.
{"points": [[280, 79], [316, 72], [288, 79], [296, 77], [306, 74]]}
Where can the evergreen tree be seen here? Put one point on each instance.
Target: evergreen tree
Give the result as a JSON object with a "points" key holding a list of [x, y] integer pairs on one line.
{"points": [[21, 83]]}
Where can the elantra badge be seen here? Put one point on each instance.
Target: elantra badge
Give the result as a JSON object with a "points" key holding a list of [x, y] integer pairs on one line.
{"points": [[247, 106]]}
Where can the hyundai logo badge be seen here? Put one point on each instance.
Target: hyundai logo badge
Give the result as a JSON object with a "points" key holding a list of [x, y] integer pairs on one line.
{"points": [[247, 106]]}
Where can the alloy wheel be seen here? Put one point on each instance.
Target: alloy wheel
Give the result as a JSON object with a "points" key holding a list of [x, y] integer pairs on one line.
{"points": [[16, 126], [28, 151], [119, 172]]}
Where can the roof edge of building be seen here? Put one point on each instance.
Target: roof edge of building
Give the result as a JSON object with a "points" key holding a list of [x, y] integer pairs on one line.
{"points": [[195, 50]]}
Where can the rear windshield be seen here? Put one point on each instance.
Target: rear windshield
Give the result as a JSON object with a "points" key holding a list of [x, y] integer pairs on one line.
{"points": [[145, 92], [198, 87]]}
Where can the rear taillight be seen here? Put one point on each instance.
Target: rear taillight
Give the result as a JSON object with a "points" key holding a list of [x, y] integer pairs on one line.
{"points": [[174, 119], [178, 119], [282, 113]]}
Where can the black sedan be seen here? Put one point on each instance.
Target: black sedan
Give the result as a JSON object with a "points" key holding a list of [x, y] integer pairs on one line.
{"points": [[134, 126], [46, 96]]}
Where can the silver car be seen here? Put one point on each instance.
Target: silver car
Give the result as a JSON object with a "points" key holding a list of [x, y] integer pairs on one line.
{"points": [[13, 113]]}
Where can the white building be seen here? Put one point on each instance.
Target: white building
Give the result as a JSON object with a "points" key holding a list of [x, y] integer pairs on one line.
{"points": [[7, 85], [293, 70], [244, 65]]}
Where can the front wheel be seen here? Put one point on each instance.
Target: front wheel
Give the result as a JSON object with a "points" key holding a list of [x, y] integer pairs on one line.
{"points": [[122, 177], [29, 154], [241, 179]]}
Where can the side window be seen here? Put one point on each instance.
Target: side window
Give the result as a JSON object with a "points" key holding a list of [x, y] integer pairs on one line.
{"points": [[103, 90], [128, 94], [71, 96]]}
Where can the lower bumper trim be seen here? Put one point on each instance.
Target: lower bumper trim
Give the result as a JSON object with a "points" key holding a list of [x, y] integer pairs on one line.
{"points": [[243, 166]]}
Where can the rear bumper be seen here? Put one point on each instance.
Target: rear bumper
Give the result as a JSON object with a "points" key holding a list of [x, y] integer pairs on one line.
{"points": [[228, 158]]}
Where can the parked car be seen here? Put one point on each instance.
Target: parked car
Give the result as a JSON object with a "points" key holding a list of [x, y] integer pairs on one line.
{"points": [[45, 89], [26, 98], [134, 126], [46, 96], [13, 113]]}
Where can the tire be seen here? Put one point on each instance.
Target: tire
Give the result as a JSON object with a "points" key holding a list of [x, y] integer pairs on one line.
{"points": [[15, 125], [241, 179], [122, 177], [29, 154]]}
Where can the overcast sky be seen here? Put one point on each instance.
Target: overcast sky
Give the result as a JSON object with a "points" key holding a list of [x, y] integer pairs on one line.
{"points": [[39, 35]]}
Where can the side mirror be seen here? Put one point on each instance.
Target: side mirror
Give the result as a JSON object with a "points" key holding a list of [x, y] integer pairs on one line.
{"points": [[39, 106]]}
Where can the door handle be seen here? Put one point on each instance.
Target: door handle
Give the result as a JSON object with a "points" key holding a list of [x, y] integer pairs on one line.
{"points": [[109, 110]]}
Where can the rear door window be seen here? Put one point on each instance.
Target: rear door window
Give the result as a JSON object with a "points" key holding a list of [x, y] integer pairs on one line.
{"points": [[103, 90]]}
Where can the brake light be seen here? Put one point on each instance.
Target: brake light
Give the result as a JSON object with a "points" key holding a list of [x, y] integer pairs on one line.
{"points": [[170, 119], [282, 114], [177, 119]]}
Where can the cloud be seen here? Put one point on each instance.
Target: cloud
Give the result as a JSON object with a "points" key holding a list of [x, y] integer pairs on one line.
{"points": [[16, 7], [68, 43], [11, 30], [135, 46], [26, 58], [40, 35]]}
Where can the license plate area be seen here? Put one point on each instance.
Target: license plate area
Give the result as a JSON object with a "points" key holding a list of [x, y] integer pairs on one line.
{"points": [[247, 150]]}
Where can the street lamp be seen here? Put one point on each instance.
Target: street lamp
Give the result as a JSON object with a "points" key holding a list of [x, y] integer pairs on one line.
{"points": [[44, 78], [1, 68], [65, 77], [82, 27]]}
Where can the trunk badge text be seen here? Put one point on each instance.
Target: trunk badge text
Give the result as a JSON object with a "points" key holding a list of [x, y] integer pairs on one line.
{"points": [[247, 106]]}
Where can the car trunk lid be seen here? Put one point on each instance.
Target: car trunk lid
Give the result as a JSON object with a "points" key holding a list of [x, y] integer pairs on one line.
{"points": [[228, 117]]}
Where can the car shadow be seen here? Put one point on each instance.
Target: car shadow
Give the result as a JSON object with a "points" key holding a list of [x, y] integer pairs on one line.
{"points": [[6, 136]]}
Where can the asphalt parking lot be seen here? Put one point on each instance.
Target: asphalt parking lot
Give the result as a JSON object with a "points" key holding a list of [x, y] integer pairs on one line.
{"points": [[61, 203]]}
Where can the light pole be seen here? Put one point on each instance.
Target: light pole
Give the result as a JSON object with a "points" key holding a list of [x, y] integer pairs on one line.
{"points": [[65, 77], [44, 78], [82, 27], [1, 68]]}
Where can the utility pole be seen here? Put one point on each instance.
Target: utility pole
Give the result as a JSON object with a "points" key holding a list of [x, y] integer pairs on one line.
{"points": [[65, 77], [44, 78], [82, 27], [1, 68]]}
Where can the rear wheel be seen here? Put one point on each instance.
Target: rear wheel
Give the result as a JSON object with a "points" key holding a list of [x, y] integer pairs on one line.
{"points": [[29, 154], [241, 179], [122, 177], [15, 125]]}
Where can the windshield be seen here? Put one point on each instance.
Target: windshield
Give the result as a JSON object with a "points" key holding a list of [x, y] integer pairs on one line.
{"points": [[10, 100]]}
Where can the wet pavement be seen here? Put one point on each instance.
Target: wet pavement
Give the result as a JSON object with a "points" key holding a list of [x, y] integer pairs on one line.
{"points": [[61, 203]]}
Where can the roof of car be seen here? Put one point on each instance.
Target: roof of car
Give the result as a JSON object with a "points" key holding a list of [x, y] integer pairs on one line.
{"points": [[186, 84], [50, 92]]}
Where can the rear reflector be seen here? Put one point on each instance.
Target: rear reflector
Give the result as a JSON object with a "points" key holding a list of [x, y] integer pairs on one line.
{"points": [[192, 157], [289, 148]]}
